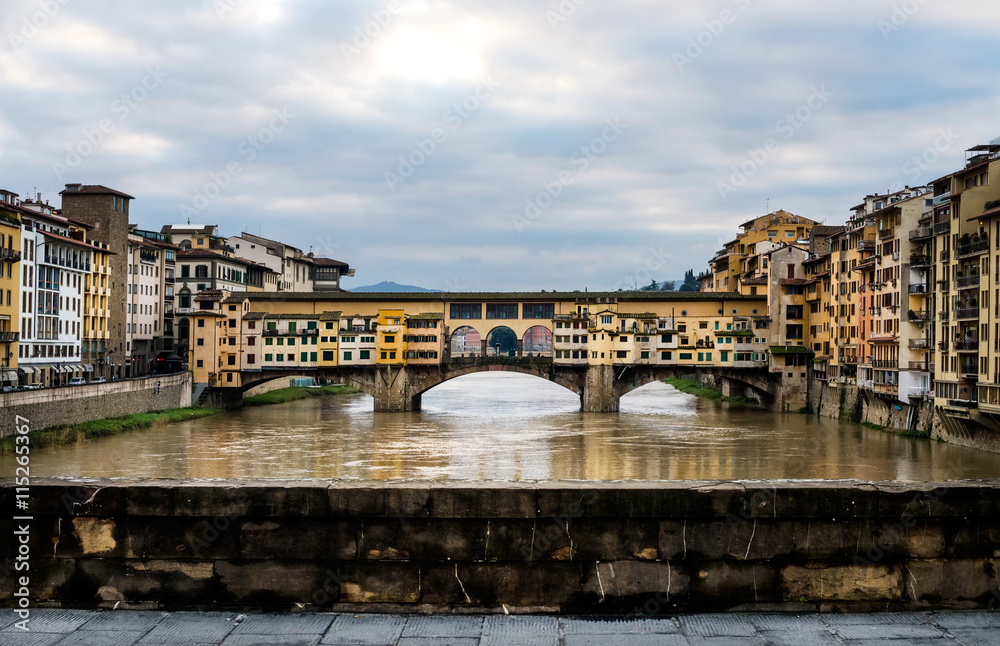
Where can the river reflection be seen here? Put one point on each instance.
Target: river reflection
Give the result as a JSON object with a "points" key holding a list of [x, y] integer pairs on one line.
{"points": [[503, 427]]}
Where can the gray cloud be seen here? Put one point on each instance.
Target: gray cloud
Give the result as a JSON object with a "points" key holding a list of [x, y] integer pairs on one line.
{"points": [[321, 180]]}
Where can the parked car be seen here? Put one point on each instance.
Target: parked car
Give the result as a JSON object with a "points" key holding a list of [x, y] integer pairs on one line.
{"points": [[32, 387], [9, 389], [98, 380], [77, 381]]}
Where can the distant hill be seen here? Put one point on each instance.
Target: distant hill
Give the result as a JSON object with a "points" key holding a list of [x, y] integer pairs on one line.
{"points": [[389, 286]]}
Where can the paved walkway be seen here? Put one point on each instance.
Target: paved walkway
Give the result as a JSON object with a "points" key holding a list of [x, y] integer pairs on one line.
{"points": [[125, 628]]}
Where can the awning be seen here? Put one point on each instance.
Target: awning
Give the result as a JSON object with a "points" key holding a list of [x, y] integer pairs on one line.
{"points": [[26, 371], [8, 375], [88, 368]]}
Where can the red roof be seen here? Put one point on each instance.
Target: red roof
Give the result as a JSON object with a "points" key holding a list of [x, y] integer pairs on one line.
{"points": [[92, 189]]}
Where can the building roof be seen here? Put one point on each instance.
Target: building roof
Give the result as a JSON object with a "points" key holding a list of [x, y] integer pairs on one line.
{"points": [[209, 296], [579, 296], [204, 229], [427, 316], [253, 316], [792, 281], [989, 213], [74, 241], [92, 189], [760, 280], [328, 262], [640, 317], [790, 349], [331, 316]]}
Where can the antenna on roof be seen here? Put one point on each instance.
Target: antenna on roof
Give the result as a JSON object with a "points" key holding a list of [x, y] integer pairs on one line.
{"points": [[767, 205]]}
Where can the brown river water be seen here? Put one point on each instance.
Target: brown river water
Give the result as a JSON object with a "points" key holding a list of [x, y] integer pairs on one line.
{"points": [[504, 427]]}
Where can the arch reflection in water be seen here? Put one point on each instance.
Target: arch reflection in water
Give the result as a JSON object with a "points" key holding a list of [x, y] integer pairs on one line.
{"points": [[505, 426]]}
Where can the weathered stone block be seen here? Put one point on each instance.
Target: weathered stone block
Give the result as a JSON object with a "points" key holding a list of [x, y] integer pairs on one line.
{"points": [[156, 537], [823, 539], [321, 539], [186, 582], [725, 584], [499, 500], [268, 582], [492, 584], [732, 539], [49, 579], [641, 500], [61, 499], [936, 580], [615, 539], [423, 539], [830, 500], [623, 579], [380, 582], [823, 582]]}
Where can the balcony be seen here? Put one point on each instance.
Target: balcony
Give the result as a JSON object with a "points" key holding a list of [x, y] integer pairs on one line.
{"points": [[181, 311], [309, 332], [922, 366], [919, 344], [272, 332], [922, 316], [968, 344], [884, 364], [9, 337], [963, 403], [921, 233], [918, 289], [885, 234], [965, 313], [967, 282], [866, 245], [886, 389], [970, 371], [973, 248], [919, 393], [941, 228], [920, 261], [12, 255]]}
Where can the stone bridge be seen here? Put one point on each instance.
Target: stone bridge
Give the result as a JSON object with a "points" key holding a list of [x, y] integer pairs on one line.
{"points": [[600, 388]]}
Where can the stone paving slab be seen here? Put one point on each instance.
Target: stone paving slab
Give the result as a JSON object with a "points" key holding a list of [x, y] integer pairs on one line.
{"points": [[54, 627]]}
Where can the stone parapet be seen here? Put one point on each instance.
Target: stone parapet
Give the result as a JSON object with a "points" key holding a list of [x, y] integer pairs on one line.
{"points": [[555, 546]]}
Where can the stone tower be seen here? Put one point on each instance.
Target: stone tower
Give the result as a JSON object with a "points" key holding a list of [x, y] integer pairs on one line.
{"points": [[107, 211]]}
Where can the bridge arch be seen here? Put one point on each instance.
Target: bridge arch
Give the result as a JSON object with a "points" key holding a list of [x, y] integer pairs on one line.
{"points": [[501, 341], [465, 341], [629, 378], [537, 341]]}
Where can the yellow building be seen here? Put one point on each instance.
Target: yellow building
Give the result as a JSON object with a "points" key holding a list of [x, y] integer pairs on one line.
{"points": [[424, 340], [96, 312], [10, 256], [737, 259], [391, 337]]}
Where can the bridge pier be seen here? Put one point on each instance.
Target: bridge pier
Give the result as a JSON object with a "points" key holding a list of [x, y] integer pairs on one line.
{"points": [[392, 390], [224, 398], [599, 394]]}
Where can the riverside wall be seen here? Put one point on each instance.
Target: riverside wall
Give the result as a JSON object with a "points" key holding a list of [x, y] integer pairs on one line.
{"points": [[631, 548], [76, 404]]}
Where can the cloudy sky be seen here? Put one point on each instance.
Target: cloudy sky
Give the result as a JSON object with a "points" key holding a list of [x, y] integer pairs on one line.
{"points": [[493, 145]]}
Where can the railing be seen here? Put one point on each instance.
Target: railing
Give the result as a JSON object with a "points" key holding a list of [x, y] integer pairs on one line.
{"points": [[922, 232], [967, 312], [920, 261], [973, 248], [884, 363], [9, 337], [887, 389], [919, 392], [13, 255], [942, 227], [964, 282], [866, 245], [885, 234], [919, 344], [272, 333], [922, 366], [918, 289], [309, 332], [920, 317], [970, 344], [970, 371]]}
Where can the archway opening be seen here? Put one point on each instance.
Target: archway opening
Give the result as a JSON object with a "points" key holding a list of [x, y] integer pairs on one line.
{"points": [[537, 342], [466, 342], [502, 341]]}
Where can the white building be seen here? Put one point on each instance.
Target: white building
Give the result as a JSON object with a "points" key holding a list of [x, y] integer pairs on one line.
{"points": [[55, 260]]}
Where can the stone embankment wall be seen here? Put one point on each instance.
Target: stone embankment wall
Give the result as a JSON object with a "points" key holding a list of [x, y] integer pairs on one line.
{"points": [[75, 404], [559, 547]]}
